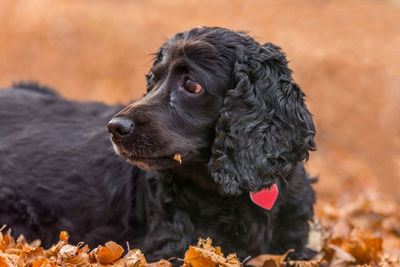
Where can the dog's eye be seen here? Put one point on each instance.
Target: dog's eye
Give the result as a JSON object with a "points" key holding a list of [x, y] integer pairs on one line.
{"points": [[191, 86]]}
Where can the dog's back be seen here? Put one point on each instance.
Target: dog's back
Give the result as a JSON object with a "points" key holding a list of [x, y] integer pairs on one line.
{"points": [[58, 170]]}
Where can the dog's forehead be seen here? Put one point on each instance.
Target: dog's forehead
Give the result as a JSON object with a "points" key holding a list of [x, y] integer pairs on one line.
{"points": [[189, 50], [208, 46], [186, 54]]}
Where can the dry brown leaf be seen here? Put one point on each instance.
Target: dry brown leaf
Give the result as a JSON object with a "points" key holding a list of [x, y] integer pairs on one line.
{"points": [[15, 251], [342, 229], [36, 243], [73, 255], [9, 240], [30, 255], [2, 243], [178, 158], [21, 241], [135, 258], [267, 260], [41, 262], [109, 253], [64, 236], [310, 263], [161, 263], [204, 254], [53, 251], [3, 261], [361, 246], [67, 252], [85, 248], [366, 249], [391, 224], [9, 260], [340, 257]]}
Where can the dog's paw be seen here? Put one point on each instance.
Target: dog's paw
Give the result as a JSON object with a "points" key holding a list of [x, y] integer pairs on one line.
{"points": [[304, 254]]}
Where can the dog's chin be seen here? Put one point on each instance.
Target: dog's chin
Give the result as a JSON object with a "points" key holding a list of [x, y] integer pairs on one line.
{"points": [[152, 164]]}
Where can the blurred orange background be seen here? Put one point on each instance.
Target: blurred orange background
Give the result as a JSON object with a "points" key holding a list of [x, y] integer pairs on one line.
{"points": [[345, 54]]}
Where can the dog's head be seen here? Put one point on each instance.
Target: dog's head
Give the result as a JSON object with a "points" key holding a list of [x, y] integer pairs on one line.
{"points": [[218, 97]]}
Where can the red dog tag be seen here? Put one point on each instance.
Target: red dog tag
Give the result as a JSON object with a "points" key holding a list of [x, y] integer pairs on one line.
{"points": [[265, 198]]}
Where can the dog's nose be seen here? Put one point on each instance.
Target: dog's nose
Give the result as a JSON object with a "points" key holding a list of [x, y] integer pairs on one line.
{"points": [[120, 127]]}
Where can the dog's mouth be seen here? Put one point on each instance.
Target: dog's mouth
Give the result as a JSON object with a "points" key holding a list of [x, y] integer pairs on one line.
{"points": [[153, 163], [150, 162]]}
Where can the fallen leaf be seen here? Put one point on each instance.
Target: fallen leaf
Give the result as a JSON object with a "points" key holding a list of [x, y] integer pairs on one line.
{"points": [[9, 240], [41, 262], [161, 263], [361, 246], [53, 251], [36, 243], [342, 229], [30, 255], [178, 158], [310, 263], [267, 260], [3, 262], [204, 254], [64, 236], [365, 248], [135, 258], [73, 255], [340, 257], [109, 253]]}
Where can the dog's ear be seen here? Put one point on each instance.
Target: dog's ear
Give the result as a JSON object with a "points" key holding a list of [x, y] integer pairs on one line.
{"points": [[264, 128]]}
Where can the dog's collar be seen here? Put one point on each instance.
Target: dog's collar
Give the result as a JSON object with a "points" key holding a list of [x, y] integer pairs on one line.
{"points": [[266, 197]]}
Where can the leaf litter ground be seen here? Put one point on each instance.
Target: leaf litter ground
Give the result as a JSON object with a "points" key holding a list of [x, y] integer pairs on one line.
{"points": [[354, 231]]}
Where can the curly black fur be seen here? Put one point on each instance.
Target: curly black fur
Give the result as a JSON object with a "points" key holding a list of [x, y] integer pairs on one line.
{"points": [[247, 129], [34, 87], [252, 149]]}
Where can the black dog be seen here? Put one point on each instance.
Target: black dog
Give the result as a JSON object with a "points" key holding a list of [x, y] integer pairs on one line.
{"points": [[222, 120]]}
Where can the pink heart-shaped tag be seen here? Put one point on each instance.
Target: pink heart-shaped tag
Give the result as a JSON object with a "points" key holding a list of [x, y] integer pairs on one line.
{"points": [[265, 198]]}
